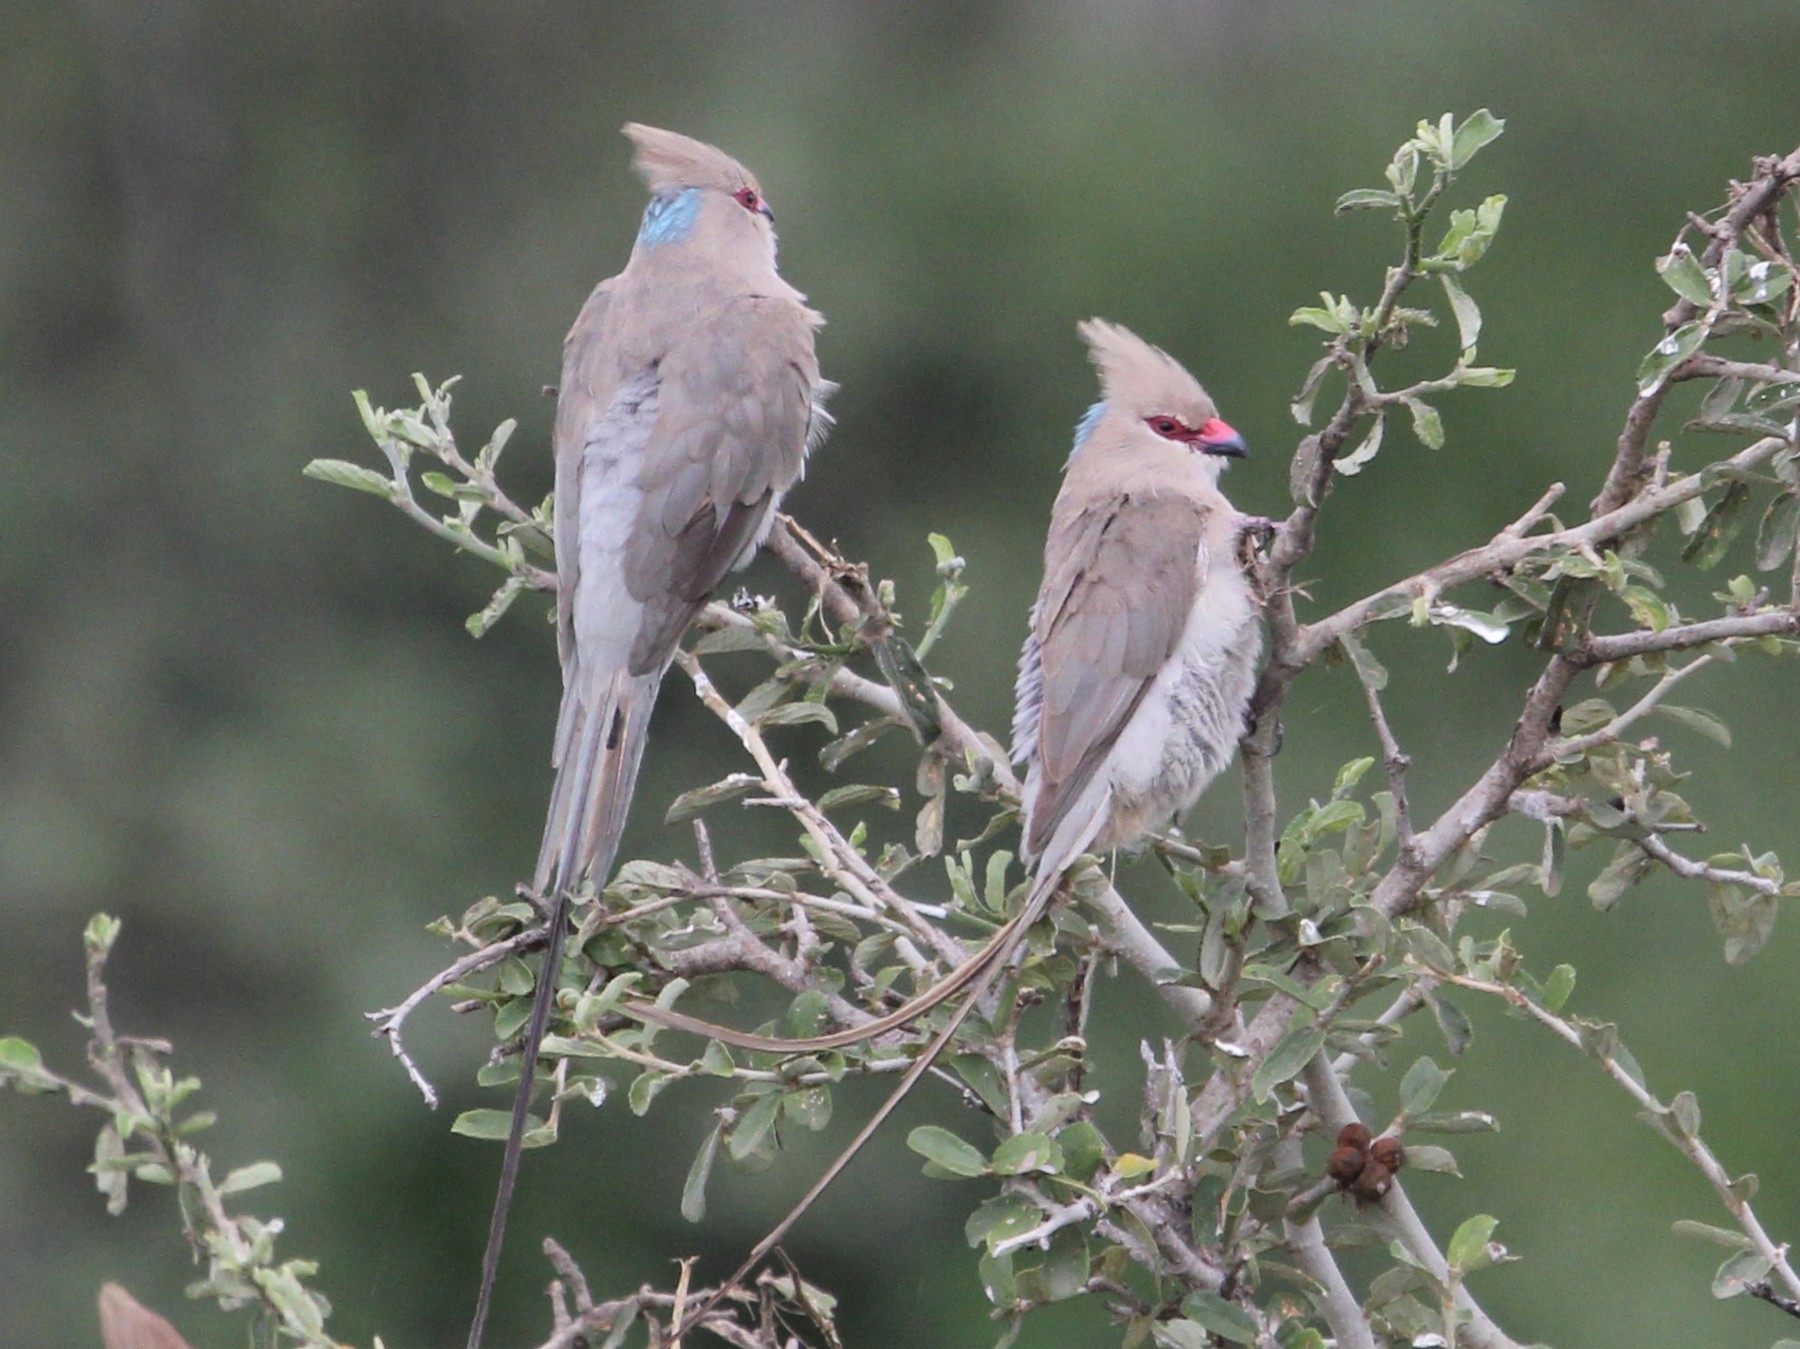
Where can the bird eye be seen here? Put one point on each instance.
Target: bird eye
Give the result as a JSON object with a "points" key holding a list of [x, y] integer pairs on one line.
{"points": [[1167, 427], [748, 198]]}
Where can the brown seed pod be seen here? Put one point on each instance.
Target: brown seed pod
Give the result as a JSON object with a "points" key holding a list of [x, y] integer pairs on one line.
{"points": [[1388, 1152], [1374, 1183], [1345, 1165]]}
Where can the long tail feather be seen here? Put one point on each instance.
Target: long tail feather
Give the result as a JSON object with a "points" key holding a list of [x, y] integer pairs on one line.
{"points": [[990, 961], [1065, 847], [588, 805]]}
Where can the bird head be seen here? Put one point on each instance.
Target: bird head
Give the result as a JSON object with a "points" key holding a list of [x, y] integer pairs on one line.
{"points": [[696, 187], [1149, 402]]}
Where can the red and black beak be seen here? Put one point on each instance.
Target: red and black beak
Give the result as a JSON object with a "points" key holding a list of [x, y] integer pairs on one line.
{"points": [[1217, 437]]}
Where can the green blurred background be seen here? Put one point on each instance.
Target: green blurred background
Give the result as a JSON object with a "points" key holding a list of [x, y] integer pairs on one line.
{"points": [[239, 710]]}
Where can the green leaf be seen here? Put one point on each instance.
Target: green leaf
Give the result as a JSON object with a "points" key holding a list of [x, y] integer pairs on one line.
{"points": [[651, 875], [693, 1189], [1027, 1152], [109, 1179], [1697, 720], [1720, 526], [442, 484], [1484, 625], [1427, 425], [1756, 282], [1685, 1109], [690, 804], [983, 1079], [1181, 1335], [834, 755], [1003, 1216], [809, 1107], [1647, 607], [1333, 816], [1669, 353], [1286, 1060], [495, 1125], [1744, 918], [1225, 1319], [1484, 376], [1775, 535], [1426, 948], [1354, 462], [1353, 772], [751, 1129], [1426, 1157], [1468, 1244], [1366, 199], [1421, 1085], [1338, 316], [1681, 270], [1628, 865], [808, 1013], [1461, 1122], [860, 794], [947, 1151], [730, 638], [1453, 1022], [1687, 1227], [1064, 1272], [478, 624], [1558, 987], [1773, 397], [1084, 1149], [1373, 674], [1719, 401], [1302, 404], [793, 714], [249, 1177], [1479, 128], [1469, 236], [900, 666], [340, 473], [644, 1090], [20, 1058], [1745, 1267], [716, 1061], [1467, 312]]}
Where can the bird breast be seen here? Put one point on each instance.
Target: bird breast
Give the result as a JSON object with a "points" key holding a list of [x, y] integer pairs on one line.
{"points": [[1186, 729]]}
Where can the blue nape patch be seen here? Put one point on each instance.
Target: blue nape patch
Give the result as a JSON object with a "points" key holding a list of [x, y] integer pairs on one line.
{"points": [[1085, 428], [669, 217]]}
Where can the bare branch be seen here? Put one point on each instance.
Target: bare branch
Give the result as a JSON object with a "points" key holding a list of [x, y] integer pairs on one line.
{"points": [[390, 1021], [1688, 1142], [1679, 637]]}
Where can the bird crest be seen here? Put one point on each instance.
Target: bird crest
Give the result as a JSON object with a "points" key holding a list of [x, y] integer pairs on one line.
{"points": [[1142, 380], [668, 161]]}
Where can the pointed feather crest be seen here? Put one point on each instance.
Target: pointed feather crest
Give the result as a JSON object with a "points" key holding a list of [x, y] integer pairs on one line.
{"points": [[1142, 380], [668, 161]]}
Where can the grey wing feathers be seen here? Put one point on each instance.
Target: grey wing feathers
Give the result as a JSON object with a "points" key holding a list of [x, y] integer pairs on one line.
{"points": [[737, 406], [585, 397], [1110, 616], [1028, 693]]}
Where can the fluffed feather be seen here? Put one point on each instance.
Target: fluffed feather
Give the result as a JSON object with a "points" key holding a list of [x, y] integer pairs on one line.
{"points": [[668, 161]]}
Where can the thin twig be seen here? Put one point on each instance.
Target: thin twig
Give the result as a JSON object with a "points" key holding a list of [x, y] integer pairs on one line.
{"points": [[1690, 1144], [391, 1020]]}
